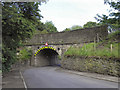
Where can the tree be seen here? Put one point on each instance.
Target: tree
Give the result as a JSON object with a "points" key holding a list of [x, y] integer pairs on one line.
{"points": [[74, 27], [19, 22], [113, 19], [90, 24], [49, 27], [67, 29]]}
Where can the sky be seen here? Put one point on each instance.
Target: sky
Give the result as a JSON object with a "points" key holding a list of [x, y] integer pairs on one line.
{"points": [[66, 13]]}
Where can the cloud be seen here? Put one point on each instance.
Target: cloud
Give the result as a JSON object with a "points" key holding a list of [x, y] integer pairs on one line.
{"points": [[66, 13]]}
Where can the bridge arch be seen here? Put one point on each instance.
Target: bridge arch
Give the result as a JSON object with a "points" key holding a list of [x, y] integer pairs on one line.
{"points": [[46, 56], [44, 48]]}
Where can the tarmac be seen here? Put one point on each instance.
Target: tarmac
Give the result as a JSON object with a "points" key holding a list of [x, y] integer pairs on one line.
{"points": [[14, 78]]}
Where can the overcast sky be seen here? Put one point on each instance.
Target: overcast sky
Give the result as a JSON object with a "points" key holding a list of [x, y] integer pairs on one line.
{"points": [[66, 13]]}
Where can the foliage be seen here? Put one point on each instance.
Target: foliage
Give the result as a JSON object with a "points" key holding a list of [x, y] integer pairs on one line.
{"points": [[90, 24], [115, 34], [25, 54], [88, 50], [113, 19], [74, 27], [49, 27], [59, 57], [87, 25], [67, 29], [19, 22], [41, 32], [8, 57]]}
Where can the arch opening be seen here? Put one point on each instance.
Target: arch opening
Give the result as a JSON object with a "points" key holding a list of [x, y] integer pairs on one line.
{"points": [[47, 56]]}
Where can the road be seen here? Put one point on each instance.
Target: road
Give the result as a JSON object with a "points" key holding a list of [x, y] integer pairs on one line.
{"points": [[50, 77]]}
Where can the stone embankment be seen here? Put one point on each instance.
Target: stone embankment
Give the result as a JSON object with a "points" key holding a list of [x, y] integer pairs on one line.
{"points": [[106, 66]]}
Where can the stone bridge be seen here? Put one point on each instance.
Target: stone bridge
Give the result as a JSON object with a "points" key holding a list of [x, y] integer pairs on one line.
{"points": [[59, 42]]}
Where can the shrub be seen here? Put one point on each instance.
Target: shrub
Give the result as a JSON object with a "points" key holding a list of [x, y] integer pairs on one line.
{"points": [[25, 54]]}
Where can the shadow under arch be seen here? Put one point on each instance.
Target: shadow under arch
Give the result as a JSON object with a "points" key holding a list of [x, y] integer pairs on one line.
{"points": [[47, 56]]}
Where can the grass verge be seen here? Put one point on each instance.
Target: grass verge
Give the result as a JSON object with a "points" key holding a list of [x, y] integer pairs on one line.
{"points": [[92, 49]]}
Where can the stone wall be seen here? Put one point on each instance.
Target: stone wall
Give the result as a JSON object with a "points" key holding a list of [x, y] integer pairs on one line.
{"points": [[92, 64], [75, 36], [20, 64], [41, 60]]}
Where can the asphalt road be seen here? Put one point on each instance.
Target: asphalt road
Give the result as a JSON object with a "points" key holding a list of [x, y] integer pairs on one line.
{"points": [[51, 77]]}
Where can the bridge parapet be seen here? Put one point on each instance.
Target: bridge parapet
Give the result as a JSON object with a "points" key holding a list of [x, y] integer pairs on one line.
{"points": [[70, 37]]}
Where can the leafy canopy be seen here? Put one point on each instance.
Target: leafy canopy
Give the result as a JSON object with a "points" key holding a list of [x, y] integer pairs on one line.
{"points": [[48, 27], [87, 25], [113, 19], [90, 24], [19, 22], [74, 27]]}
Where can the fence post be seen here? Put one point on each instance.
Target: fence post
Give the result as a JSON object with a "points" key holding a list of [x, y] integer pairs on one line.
{"points": [[94, 44], [111, 47], [98, 37]]}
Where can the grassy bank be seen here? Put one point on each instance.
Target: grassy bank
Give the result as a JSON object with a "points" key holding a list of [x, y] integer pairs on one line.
{"points": [[89, 50], [106, 48]]}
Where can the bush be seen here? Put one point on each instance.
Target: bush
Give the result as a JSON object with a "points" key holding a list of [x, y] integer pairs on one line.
{"points": [[25, 54], [114, 34], [8, 58]]}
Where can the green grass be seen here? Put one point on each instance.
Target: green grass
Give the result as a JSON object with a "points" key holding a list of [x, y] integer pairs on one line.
{"points": [[101, 49], [89, 50]]}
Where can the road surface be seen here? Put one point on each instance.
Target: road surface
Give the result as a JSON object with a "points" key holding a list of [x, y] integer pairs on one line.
{"points": [[50, 77]]}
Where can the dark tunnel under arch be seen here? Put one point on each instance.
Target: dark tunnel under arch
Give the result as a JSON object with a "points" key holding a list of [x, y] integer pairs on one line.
{"points": [[47, 55]]}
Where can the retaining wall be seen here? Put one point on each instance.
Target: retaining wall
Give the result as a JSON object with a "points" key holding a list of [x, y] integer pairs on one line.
{"points": [[92, 64]]}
